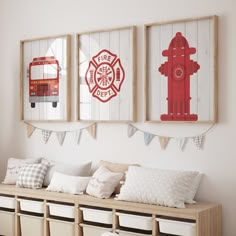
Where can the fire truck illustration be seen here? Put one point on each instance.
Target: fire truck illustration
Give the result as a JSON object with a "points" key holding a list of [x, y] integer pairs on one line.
{"points": [[44, 81], [178, 69], [104, 76]]}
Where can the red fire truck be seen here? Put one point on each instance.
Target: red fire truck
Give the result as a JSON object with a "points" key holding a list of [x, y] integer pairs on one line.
{"points": [[44, 80]]}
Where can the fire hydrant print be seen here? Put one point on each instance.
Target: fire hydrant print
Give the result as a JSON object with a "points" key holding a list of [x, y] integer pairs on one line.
{"points": [[105, 76], [178, 69]]}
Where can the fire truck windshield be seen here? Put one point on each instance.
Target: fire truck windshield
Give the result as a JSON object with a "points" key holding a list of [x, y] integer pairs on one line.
{"points": [[48, 71]]}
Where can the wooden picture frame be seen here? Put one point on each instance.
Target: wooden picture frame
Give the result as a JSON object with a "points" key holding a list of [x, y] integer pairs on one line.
{"points": [[46, 78], [107, 75], [181, 70]]}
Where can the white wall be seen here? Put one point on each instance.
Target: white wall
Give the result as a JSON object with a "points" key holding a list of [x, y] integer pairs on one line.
{"points": [[27, 19]]}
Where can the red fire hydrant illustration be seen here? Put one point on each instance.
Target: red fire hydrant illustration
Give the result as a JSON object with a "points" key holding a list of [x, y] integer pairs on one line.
{"points": [[178, 69]]}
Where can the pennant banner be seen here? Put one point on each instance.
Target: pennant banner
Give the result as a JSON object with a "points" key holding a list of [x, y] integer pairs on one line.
{"points": [[131, 130], [92, 130], [30, 130], [61, 137], [182, 143], [198, 140], [148, 138], [78, 136], [46, 135], [163, 142]]}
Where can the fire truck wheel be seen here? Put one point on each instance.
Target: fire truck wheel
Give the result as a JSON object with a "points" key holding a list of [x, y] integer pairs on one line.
{"points": [[32, 105], [54, 104]]}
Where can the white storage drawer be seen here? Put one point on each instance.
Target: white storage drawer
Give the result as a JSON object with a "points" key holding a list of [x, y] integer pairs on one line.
{"points": [[90, 230], [7, 202], [7, 223], [177, 227], [97, 215], [126, 233], [36, 206], [61, 210], [62, 228], [31, 225], [135, 221]]}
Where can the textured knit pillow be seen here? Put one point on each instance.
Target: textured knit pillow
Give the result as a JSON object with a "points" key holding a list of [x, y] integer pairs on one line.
{"points": [[68, 183], [32, 175], [13, 168], [156, 186], [103, 183]]}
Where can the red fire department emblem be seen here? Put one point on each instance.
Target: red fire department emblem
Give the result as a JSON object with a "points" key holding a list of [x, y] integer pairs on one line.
{"points": [[104, 76]]}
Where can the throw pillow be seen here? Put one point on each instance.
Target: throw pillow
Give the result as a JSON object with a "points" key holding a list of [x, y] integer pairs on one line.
{"points": [[74, 169], [32, 175], [103, 183], [118, 168], [13, 168], [157, 186], [193, 189], [68, 183]]}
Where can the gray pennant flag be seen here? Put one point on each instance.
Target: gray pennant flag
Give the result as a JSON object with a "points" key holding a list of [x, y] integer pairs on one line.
{"points": [[131, 130], [46, 135], [61, 137]]}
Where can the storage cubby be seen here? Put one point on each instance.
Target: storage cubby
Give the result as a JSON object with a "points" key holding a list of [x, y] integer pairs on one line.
{"points": [[38, 212], [7, 215]]}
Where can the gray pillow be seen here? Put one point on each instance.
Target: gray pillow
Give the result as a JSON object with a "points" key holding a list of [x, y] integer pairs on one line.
{"points": [[75, 169]]}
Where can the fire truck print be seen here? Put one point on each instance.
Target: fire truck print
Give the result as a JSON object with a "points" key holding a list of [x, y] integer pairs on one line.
{"points": [[104, 76], [178, 69], [44, 81]]}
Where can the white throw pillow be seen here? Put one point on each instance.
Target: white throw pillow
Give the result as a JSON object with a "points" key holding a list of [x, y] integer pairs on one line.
{"points": [[193, 189], [103, 182], [157, 186], [74, 169], [68, 183], [13, 168], [32, 175]]}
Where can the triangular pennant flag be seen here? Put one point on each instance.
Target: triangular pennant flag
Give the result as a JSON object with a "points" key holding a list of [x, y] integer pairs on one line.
{"points": [[131, 130], [182, 143], [61, 137], [78, 136], [198, 140], [30, 130], [46, 135], [163, 142], [148, 138], [92, 130]]}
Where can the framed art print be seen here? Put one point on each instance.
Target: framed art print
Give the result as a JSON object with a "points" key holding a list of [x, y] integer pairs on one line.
{"points": [[181, 70], [45, 79], [107, 79]]}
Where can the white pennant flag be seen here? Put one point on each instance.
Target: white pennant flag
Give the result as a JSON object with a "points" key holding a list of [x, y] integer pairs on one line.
{"points": [[131, 130], [61, 137], [148, 138], [30, 130], [78, 136], [163, 142], [182, 143], [92, 130], [198, 140], [46, 135]]}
